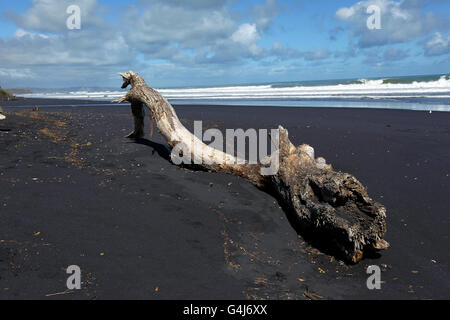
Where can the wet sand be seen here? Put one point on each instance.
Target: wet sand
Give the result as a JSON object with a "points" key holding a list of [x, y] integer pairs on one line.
{"points": [[73, 191]]}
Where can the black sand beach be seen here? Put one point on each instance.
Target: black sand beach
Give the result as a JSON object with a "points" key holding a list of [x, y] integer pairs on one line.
{"points": [[73, 191]]}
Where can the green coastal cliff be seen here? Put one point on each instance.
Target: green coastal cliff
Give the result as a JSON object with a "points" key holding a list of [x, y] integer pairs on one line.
{"points": [[6, 95]]}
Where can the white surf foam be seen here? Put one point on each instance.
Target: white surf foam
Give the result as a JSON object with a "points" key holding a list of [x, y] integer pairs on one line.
{"points": [[370, 89]]}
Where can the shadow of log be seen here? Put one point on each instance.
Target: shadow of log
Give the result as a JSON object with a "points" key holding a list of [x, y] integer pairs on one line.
{"points": [[159, 148]]}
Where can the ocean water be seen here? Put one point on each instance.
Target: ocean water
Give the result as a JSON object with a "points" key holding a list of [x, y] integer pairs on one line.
{"points": [[430, 92]]}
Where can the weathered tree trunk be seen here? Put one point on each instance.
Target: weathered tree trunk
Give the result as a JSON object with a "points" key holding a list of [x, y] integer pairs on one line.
{"points": [[329, 208]]}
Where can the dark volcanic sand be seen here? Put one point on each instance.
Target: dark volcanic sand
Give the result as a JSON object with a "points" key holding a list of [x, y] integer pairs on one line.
{"points": [[74, 191]]}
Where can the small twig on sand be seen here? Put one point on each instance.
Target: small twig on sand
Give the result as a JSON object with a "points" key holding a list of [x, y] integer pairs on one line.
{"points": [[311, 296], [59, 293]]}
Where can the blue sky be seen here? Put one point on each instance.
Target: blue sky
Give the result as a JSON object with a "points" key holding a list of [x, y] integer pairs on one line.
{"points": [[212, 42]]}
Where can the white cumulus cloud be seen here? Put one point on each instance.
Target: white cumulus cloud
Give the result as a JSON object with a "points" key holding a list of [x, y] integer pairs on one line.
{"points": [[437, 45]]}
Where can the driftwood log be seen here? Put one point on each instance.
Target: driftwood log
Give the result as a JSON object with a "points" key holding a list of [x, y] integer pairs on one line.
{"points": [[328, 208]]}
